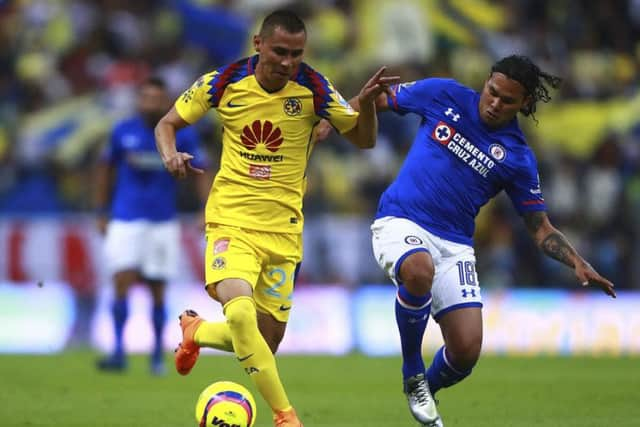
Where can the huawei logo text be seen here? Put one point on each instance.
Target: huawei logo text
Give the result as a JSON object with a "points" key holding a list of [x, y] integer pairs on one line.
{"points": [[262, 133]]}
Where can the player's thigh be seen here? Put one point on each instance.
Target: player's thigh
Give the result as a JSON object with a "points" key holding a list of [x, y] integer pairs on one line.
{"points": [[162, 249], [396, 239], [230, 254], [274, 291], [124, 245], [455, 284]]}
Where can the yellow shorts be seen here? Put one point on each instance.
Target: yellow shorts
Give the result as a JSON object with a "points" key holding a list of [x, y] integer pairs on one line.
{"points": [[267, 261]]}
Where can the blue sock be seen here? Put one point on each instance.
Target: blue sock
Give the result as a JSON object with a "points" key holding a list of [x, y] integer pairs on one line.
{"points": [[120, 311], [159, 317], [412, 314], [442, 374]]}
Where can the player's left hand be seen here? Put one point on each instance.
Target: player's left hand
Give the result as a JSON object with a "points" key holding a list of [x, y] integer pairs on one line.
{"points": [[322, 130], [587, 275], [376, 85]]}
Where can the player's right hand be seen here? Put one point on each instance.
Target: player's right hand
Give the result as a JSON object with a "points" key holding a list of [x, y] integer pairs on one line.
{"points": [[376, 85], [179, 165]]}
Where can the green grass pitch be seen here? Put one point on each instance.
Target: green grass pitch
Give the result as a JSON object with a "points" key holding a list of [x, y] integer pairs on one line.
{"points": [[354, 391]]}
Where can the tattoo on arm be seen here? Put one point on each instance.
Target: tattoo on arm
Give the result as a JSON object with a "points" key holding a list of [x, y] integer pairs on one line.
{"points": [[557, 247]]}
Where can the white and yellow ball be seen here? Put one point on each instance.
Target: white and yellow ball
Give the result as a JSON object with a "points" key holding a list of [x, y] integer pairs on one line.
{"points": [[225, 404]]}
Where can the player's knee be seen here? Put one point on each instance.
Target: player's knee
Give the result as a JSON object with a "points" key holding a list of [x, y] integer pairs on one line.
{"points": [[416, 273], [123, 281], [240, 313], [157, 292], [417, 279]]}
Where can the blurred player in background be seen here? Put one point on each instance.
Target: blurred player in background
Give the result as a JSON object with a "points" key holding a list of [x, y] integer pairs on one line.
{"points": [[136, 201], [269, 105], [469, 147]]}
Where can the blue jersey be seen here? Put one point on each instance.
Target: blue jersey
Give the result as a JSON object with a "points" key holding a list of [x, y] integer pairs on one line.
{"points": [[143, 188], [457, 163]]}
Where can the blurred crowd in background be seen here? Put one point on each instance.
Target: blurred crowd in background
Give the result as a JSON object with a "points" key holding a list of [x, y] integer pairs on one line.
{"points": [[70, 69]]}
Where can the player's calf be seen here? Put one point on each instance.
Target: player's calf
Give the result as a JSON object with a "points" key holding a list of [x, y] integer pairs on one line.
{"points": [[442, 373]]}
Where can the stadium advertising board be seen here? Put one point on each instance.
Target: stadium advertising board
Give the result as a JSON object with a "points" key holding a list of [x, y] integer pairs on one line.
{"points": [[329, 319]]}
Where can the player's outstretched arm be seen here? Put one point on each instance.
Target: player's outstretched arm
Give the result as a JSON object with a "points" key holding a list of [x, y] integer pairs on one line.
{"points": [[364, 133], [555, 245], [177, 163]]}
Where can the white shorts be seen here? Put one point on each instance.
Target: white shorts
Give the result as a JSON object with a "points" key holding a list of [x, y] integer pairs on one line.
{"points": [[455, 284], [152, 248]]}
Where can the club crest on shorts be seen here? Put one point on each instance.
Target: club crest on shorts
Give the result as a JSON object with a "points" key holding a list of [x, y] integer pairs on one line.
{"points": [[413, 240], [219, 263]]}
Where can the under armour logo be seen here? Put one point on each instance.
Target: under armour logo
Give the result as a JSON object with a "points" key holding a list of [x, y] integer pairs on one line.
{"points": [[466, 293], [454, 116]]}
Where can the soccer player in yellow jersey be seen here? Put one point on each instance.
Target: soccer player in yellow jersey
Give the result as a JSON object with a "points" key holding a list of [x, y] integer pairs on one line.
{"points": [[269, 105]]}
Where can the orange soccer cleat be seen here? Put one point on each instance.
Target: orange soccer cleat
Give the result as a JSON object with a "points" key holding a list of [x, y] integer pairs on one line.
{"points": [[286, 419], [188, 351]]}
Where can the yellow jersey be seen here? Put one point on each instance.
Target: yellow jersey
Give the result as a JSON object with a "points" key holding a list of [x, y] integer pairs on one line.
{"points": [[267, 139]]}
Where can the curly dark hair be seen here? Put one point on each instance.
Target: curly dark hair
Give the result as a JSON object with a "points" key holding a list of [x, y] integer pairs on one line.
{"points": [[531, 77]]}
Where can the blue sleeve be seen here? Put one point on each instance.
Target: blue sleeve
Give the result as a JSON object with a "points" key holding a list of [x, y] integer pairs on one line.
{"points": [[112, 152], [188, 140], [414, 97], [524, 188]]}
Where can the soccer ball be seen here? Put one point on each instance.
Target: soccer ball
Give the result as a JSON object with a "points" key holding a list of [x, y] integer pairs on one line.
{"points": [[225, 404]]}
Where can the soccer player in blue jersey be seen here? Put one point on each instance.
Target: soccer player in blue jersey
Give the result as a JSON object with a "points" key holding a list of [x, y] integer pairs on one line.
{"points": [[136, 201], [468, 148]]}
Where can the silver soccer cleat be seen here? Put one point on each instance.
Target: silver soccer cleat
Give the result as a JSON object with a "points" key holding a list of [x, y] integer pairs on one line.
{"points": [[436, 423], [421, 403]]}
